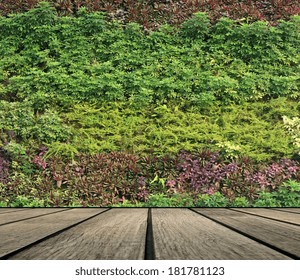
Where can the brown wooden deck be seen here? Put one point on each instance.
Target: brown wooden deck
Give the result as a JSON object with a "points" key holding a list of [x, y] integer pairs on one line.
{"points": [[157, 233]]}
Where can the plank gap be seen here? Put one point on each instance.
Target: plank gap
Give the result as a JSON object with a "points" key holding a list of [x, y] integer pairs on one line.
{"points": [[275, 248], [290, 210], [265, 217], [15, 252], [32, 217], [10, 210], [149, 248]]}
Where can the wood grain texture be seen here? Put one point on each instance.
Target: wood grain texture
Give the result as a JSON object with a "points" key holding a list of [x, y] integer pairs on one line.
{"points": [[273, 214], [8, 210], [277, 234], [183, 234], [290, 210], [20, 234], [116, 234], [15, 216]]}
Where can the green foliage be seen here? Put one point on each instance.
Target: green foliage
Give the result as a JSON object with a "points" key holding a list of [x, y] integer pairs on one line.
{"points": [[266, 199], [23, 201], [30, 201], [50, 60], [83, 85], [15, 150], [287, 195], [3, 204], [128, 204], [197, 27], [21, 163], [62, 150], [212, 200], [250, 129], [18, 121], [292, 125], [228, 150], [176, 200], [240, 202]]}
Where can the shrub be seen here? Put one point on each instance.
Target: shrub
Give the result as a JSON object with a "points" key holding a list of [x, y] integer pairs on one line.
{"points": [[18, 122], [23, 201], [115, 103], [288, 195], [99, 180], [127, 203], [253, 130], [151, 14], [65, 60], [176, 200], [214, 200], [4, 167], [184, 180], [197, 27], [20, 160], [240, 202], [293, 128]]}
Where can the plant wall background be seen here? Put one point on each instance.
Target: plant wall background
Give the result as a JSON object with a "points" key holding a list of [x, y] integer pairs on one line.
{"points": [[99, 109]]}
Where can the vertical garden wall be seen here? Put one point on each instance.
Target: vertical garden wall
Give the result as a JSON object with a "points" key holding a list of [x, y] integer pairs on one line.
{"points": [[100, 110]]}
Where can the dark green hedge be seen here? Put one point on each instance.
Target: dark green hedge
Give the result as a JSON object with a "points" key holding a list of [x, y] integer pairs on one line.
{"points": [[49, 60]]}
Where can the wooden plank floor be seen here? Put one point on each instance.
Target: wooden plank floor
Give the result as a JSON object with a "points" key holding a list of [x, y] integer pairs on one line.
{"points": [[157, 233]]}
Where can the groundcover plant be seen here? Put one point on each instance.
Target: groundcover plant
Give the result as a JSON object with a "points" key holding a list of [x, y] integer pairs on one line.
{"points": [[100, 111]]}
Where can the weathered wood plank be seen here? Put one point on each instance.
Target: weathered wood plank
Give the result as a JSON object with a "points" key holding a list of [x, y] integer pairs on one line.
{"points": [[8, 210], [10, 217], [280, 235], [184, 234], [273, 214], [116, 234], [20, 234], [291, 210]]}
